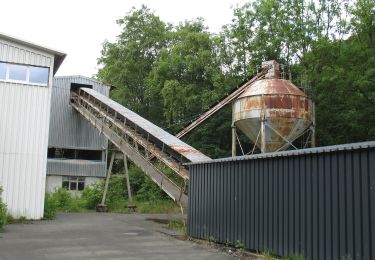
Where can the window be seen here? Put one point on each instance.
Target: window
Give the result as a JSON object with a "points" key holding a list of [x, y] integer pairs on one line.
{"points": [[73, 183], [61, 153], [24, 74], [38, 75], [17, 72], [3, 71]]}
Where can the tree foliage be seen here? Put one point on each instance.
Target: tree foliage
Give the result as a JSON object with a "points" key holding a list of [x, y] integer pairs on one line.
{"points": [[172, 73]]}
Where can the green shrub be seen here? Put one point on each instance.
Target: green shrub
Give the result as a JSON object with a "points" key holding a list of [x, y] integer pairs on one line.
{"points": [[116, 188], [116, 192], [93, 195], [10, 219], [3, 212], [50, 206], [149, 191], [63, 198]]}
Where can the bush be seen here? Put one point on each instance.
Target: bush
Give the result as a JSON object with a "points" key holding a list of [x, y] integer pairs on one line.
{"points": [[116, 189], [50, 206], [93, 195], [63, 198], [143, 188], [3, 212], [149, 191]]}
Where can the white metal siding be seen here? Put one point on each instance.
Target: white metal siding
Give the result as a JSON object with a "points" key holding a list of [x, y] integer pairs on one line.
{"points": [[24, 125], [15, 53]]}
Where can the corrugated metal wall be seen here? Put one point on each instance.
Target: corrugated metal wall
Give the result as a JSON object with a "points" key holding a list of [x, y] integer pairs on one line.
{"points": [[68, 129], [24, 122], [82, 168], [319, 203]]}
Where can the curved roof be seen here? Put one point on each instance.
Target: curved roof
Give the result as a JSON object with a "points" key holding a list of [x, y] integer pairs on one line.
{"points": [[272, 86]]}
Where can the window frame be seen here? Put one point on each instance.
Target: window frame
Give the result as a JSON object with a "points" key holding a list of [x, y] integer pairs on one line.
{"points": [[76, 180], [27, 81]]}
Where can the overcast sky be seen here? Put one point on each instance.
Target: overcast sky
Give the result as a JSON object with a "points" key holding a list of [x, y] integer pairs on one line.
{"points": [[79, 27]]}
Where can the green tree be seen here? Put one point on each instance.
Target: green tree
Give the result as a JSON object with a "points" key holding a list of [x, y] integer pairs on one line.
{"points": [[187, 76], [127, 62], [343, 78]]}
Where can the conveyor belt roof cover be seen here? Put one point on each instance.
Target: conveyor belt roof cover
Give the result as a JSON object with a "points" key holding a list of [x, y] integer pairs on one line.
{"points": [[173, 142]]}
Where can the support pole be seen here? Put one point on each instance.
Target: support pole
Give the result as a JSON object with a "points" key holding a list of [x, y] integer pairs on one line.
{"points": [[313, 140], [102, 207], [263, 136], [263, 128], [130, 200], [234, 138]]}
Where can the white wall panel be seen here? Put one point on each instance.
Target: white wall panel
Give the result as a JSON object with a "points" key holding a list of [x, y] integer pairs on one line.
{"points": [[16, 53], [53, 183], [24, 126]]}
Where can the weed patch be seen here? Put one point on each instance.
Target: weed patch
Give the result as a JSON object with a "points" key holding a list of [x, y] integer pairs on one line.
{"points": [[3, 212]]}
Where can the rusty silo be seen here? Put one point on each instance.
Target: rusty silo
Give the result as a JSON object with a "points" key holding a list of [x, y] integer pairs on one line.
{"points": [[273, 112]]}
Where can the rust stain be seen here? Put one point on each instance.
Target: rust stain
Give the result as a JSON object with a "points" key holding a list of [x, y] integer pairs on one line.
{"points": [[184, 149], [286, 108]]}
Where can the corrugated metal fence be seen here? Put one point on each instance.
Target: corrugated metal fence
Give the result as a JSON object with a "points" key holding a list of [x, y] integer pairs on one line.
{"points": [[318, 203]]}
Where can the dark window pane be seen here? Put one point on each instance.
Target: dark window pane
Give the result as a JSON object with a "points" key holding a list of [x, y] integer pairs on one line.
{"points": [[81, 185], [3, 70], [73, 178], [38, 75], [17, 72], [73, 186], [65, 185], [95, 155]]}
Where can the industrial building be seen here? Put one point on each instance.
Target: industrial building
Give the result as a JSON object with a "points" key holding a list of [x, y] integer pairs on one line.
{"points": [[44, 143], [77, 151], [26, 76], [317, 202]]}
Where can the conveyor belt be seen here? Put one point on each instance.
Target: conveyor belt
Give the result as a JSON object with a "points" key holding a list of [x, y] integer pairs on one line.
{"points": [[159, 154]]}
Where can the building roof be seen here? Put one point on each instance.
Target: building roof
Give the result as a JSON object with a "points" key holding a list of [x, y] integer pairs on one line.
{"points": [[59, 56], [86, 78], [316, 150]]}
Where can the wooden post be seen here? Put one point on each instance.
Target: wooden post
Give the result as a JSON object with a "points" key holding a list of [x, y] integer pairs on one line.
{"points": [[130, 201], [102, 207]]}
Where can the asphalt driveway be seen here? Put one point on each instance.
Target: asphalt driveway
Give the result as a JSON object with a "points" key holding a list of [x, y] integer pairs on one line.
{"points": [[98, 236]]}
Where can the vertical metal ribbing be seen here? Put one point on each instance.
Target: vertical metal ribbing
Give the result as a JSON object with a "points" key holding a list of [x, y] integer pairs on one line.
{"points": [[319, 205]]}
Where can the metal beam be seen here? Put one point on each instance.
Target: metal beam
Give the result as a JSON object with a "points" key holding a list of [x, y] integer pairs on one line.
{"points": [[167, 185], [140, 141], [225, 101]]}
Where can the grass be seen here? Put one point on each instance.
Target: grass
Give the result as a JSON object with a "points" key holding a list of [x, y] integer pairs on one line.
{"points": [[157, 206], [62, 201], [177, 225], [20, 220], [75, 205]]}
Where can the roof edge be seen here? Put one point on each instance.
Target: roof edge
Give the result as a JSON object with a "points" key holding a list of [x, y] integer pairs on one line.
{"points": [[321, 149], [85, 77], [59, 56]]}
